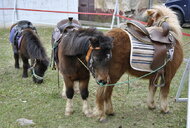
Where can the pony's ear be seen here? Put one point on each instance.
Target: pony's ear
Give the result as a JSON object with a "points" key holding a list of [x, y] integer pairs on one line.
{"points": [[150, 12], [153, 13], [93, 42]]}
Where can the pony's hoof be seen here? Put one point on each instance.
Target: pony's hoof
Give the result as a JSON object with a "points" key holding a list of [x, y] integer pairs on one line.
{"points": [[151, 107], [111, 114], [103, 120], [89, 115], [17, 66], [68, 113], [163, 112], [24, 76]]}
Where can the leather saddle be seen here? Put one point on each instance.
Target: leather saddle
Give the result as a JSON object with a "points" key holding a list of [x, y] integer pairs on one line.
{"points": [[58, 33], [161, 35], [64, 29], [17, 30], [162, 40], [69, 25]]}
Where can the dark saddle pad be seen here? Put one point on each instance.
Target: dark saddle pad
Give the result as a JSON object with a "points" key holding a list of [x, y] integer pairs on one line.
{"points": [[16, 31]]}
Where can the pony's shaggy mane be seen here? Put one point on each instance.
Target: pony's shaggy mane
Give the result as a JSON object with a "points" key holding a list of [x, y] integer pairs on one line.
{"points": [[172, 20], [77, 42], [34, 46]]}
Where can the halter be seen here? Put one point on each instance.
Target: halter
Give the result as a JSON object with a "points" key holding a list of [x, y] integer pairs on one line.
{"points": [[33, 72], [87, 59], [90, 51]]}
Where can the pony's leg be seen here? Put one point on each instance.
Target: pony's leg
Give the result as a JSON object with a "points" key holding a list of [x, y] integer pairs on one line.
{"points": [[63, 93], [69, 93], [83, 86], [99, 109], [164, 98], [16, 57], [25, 66], [108, 102], [151, 95], [76, 89]]}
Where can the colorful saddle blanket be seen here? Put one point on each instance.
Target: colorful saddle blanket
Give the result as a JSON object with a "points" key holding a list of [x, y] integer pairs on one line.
{"points": [[141, 56]]}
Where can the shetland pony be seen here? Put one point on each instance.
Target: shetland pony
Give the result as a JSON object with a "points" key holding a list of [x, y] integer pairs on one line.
{"points": [[62, 28], [120, 63], [82, 51], [27, 44]]}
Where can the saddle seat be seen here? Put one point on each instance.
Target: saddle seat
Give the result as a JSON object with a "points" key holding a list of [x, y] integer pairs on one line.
{"points": [[160, 34]]}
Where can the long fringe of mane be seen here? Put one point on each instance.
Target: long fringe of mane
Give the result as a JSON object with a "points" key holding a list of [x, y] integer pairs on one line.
{"points": [[34, 46], [77, 42], [172, 20]]}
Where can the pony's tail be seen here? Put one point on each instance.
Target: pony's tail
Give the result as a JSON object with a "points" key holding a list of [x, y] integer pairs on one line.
{"points": [[34, 46]]}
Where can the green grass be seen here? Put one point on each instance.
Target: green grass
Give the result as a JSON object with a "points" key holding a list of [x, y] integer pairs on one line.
{"points": [[21, 98]]}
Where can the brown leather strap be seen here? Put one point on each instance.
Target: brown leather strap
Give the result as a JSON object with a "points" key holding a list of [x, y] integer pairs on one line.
{"points": [[159, 74], [160, 54], [89, 52]]}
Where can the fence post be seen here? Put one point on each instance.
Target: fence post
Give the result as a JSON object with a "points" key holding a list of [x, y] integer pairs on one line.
{"points": [[114, 13], [14, 12]]}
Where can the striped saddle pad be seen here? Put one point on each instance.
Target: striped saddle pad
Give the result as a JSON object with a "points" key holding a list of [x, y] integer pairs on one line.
{"points": [[141, 55]]}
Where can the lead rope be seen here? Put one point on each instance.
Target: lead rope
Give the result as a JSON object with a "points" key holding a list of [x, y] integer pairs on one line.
{"points": [[58, 78], [85, 66], [125, 82], [128, 84]]}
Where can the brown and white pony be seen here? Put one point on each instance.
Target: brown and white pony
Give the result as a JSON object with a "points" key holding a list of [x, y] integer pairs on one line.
{"points": [[120, 63], [80, 51]]}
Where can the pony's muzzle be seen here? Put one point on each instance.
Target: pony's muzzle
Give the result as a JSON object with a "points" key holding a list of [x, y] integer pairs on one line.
{"points": [[38, 81], [102, 81]]}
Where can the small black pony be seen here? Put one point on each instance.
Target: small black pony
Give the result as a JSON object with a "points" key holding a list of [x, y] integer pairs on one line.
{"points": [[79, 51], [27, 44]]}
